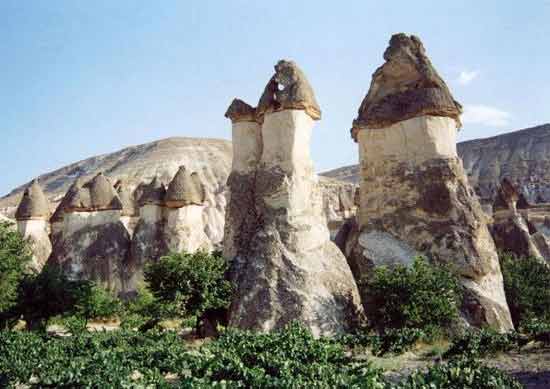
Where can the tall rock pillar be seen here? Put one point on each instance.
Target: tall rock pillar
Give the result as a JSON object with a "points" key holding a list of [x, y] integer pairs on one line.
{"points": [[283, 263], [415, 198], [32, 217]]}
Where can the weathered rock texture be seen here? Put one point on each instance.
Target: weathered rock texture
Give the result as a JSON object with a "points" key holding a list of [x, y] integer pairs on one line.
{"points": [[405, 87], [171, 220], [415, 198], [32, 217], [511, 229], [93, 244], [135, 167], [282, 261]]}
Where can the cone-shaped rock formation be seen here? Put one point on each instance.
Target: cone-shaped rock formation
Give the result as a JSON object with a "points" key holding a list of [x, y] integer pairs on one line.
{"points": [[32, 222], [415, 198]]}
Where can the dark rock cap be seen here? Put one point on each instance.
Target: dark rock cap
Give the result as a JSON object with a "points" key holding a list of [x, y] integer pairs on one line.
{"points": [[66, 201], [405, 86], [102, 194], [95, 195], [153, 193], [288, 89], [239, 111], [34, 204], [185, 189]]}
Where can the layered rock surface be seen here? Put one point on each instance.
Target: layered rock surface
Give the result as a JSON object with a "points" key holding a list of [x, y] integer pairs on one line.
{"points": [[277, 243], [415, 198]]}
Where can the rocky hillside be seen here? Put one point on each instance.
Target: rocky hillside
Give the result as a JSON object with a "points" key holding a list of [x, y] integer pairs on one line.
{"points": [[522, 156], [211, 158], [136, 164]]}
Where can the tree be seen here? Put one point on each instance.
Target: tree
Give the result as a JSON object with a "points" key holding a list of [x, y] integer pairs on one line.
{"points": [[420, 296], [15, 254], [190, 284]]}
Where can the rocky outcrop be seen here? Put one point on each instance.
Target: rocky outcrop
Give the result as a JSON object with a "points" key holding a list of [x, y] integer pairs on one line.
{"points": [[522, 157], [32, 217], [148, 243], [137, 165], [511, 229], [281, 259], [405, 87], [94, 243], [415, 198]]}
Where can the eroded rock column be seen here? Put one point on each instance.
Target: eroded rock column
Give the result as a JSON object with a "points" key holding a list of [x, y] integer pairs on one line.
{"points": [[32, 217], [415, 198], [284, 265]]}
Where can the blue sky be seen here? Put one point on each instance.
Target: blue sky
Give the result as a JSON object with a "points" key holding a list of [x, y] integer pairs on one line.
{"points": [[80, 78]]}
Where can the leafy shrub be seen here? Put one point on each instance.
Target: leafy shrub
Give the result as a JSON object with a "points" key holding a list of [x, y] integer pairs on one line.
{"points": [[474, 344], [460, 373], [15, 254], [289, 358], [526, 283], [420, 296], [99, 359], [390, 341], [189, 284], [537, 330]]}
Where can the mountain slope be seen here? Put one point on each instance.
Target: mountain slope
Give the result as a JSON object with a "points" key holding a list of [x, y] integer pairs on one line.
{"points": [[136, 164]]}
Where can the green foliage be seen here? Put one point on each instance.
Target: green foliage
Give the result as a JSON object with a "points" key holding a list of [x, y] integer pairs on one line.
{"points": [[475, 344], [289, 358], [526, 282], [98, 360], [420, 296], [141, 310], [460, 373], [15, 254], [391, 341], [189, 284], [95, 302]]}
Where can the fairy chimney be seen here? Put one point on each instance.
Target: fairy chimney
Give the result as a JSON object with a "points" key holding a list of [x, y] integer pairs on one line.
{"points": [[414, 196], [184, 226], [277, 242], [32, 217]]}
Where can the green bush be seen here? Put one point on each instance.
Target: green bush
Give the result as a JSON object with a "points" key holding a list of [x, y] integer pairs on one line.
{"points": [[391, 341], [420, 296], [526, 282], [189, 284], [289, 358], [15, 255], [463, 373], [480, 343]]}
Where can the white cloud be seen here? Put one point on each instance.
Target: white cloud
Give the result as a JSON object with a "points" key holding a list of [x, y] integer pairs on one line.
{"points": [[466, 77], [485, 115]]}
